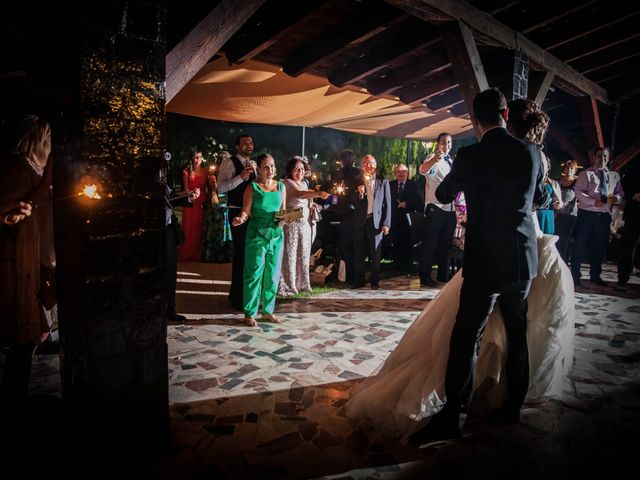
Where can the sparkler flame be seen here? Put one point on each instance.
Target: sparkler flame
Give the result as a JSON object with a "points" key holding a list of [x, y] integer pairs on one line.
{"points": [[90, 191], [339, 188]]}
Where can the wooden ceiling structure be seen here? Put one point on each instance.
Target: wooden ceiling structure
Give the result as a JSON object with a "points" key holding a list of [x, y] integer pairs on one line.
{"points": [[432, 53]]}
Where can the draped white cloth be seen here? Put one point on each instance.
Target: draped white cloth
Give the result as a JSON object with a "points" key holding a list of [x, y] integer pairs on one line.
{"points": [[409, 388]]}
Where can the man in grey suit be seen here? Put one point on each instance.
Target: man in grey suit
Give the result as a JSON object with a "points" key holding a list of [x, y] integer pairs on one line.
{"points": [[501, 178], [372, 218]]}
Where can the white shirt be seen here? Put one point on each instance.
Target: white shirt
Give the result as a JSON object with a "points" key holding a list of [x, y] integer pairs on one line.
{"points": [[368, 185], [433, 178], [227, 178]]}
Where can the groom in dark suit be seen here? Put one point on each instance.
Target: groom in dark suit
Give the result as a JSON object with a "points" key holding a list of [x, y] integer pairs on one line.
{"points": [[501, 178]]}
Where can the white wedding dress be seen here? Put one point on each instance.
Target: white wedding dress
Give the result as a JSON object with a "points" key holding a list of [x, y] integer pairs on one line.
{"points": [[409, 388]]}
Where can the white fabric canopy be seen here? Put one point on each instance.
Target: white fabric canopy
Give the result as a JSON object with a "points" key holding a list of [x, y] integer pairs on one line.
{"points": [[256, 92]]}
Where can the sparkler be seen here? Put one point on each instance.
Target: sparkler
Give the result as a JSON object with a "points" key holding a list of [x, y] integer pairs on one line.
{"points": [[89, 191], [339, 188]]}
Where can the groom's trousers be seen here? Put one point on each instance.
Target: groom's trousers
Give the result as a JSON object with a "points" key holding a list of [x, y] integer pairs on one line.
{"points": [[477, 300]]}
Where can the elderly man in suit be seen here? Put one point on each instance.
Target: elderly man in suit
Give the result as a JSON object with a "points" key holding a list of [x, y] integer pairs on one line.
{"points": [[404, 199], [372, 219], [500, 257]]}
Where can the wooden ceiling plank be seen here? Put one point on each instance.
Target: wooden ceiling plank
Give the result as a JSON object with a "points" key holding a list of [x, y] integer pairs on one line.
{"points": [[432, 61], [275, 23], [490, 27], [380, 58], [559, 16], [603, 47], [338, 40], [466, 63], [192, 53], [628, 154], [584, 33], [433, 85]]}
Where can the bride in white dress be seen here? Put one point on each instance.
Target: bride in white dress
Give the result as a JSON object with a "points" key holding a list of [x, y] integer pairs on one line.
{"points": [[409, 388]]}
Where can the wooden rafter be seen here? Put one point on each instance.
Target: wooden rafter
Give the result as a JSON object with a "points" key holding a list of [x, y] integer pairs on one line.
{"points": [[559, 16], [186, 59], [274, 24], [343, 38], [628, 154], [488, 26], [435, 84], [466, 63], [433, 61], [539, 92], [380, 58]]}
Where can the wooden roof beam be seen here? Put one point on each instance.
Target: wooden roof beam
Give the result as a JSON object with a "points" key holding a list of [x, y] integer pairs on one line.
{"points": [[628, 154], [186, 59], [538, 92], [466, 63], [274, 24], [488, 26], [342, 38]]}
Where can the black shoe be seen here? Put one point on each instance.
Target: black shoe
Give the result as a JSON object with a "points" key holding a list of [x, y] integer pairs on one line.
{"points": [[375, 286], [176, 319], [577, 284], [623, 283], [429, 283], [435, 432], [599, 281], [504, 416]]}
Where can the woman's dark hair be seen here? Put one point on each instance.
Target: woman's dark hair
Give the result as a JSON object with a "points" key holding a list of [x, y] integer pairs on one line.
{"points": [[262, 158], [291, 164]]}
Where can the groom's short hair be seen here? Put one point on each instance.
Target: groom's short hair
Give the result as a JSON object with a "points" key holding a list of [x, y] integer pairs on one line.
{"points": [[488, 106]]}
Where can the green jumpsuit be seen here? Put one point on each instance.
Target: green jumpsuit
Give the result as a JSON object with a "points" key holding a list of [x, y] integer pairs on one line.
{"points": [[263, 251]]}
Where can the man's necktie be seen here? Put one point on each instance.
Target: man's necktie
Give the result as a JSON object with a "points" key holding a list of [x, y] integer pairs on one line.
{"points": [[447, 159], [603, 186], [400, 189]]}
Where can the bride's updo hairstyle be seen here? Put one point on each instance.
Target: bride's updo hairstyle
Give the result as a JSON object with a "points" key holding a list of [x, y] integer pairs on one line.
{"points": [[527, 121]]}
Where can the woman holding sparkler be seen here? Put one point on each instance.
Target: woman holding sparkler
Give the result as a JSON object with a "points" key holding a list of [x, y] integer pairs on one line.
{"points": [[26, 248]]}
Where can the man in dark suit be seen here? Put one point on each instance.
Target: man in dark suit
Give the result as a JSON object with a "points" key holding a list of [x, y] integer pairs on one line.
{"points": [[372, 220], [500, 257], [404, 199]]}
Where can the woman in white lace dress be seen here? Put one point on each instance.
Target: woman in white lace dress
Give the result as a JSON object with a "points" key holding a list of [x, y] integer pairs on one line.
{"points": [[409, 388], [297, 235]]}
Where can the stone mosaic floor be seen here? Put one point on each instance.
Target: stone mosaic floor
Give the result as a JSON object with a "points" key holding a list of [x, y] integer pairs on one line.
{"points": [[266, 402]]}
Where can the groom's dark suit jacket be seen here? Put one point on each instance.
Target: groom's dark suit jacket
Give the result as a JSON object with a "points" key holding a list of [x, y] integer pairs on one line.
{"points": [[501, 178]]}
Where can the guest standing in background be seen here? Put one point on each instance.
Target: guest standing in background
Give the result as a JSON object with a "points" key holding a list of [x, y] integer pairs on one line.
{"points": [[597, 190], [26, 247], [440, 219], [404, 199], [566, 215], [263, 252], [372, 220], [235, 175], [297, 234], [194, 176]]}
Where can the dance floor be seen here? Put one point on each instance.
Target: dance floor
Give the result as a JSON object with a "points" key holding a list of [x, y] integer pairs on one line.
{"points": [[266, 402]]}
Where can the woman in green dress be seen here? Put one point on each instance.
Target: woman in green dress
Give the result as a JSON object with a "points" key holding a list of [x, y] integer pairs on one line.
{"points": [[263, 253]]}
